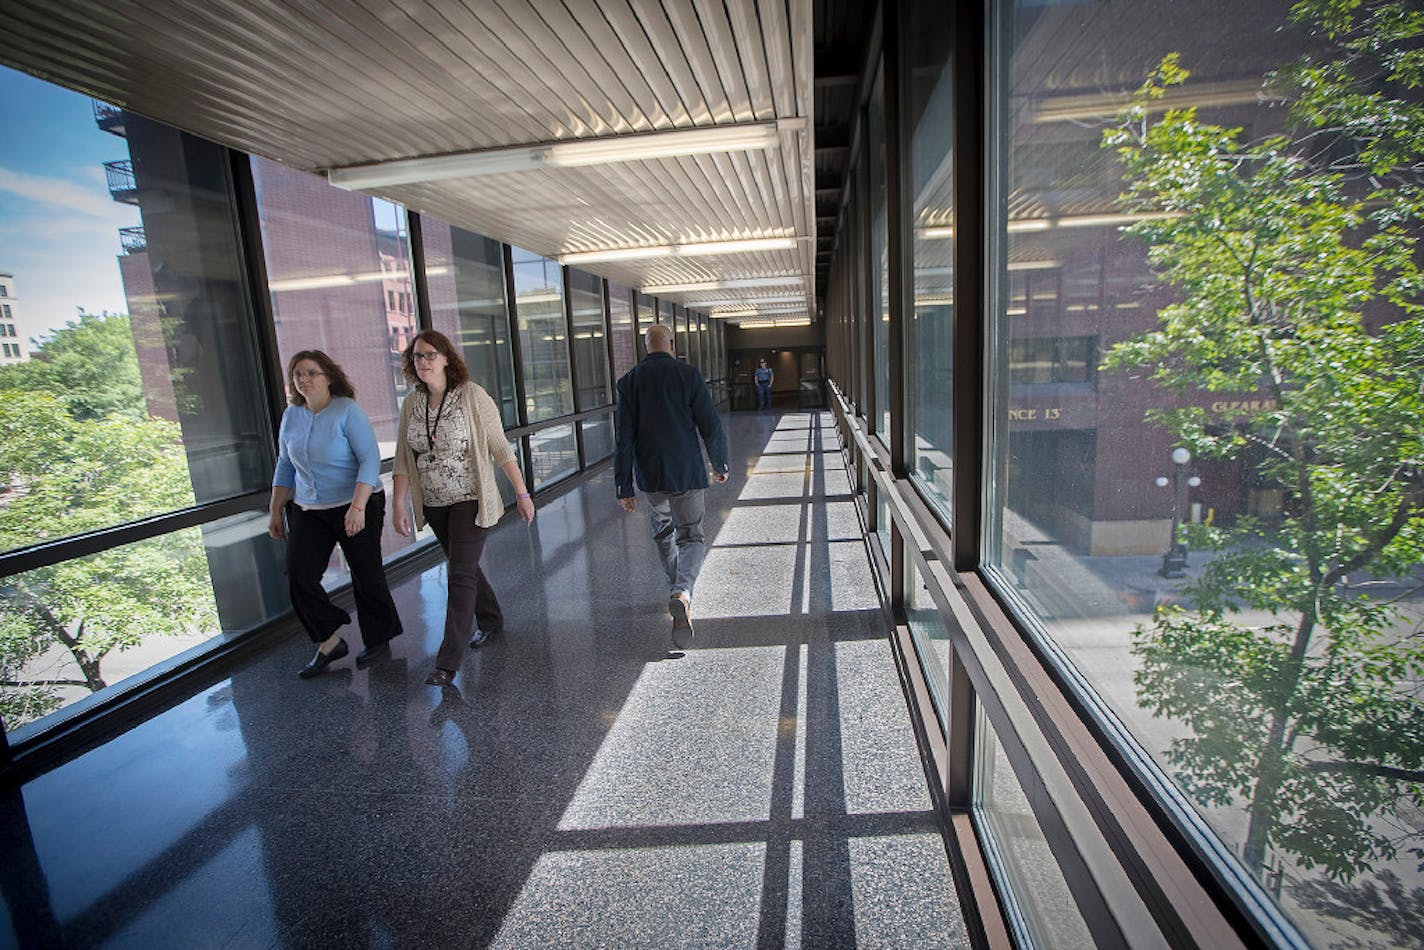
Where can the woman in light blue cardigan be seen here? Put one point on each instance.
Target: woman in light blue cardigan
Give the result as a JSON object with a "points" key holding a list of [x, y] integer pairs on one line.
{"points": [[328, 481]]}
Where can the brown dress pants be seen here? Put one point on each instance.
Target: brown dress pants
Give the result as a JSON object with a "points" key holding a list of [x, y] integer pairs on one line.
{"points": [[470, 598]]}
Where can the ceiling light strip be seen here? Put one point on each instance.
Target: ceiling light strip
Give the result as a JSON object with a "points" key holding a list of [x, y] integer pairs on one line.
{"points": [[604, 150]]}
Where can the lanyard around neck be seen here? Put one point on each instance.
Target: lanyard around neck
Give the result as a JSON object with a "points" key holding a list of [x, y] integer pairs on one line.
{"points": [[431, 431]]}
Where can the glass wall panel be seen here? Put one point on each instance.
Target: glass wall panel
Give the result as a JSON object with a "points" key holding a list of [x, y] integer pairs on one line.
{"points": [[931, 637], [555, 454], [647, 316], [1040, 908], [678, 316], [142, 393], [1202, 338], [99, 624], [879, 258], [590, 342], [620, 320], [597, 438], [464, 275], [929, 40], [543, 343], [338, 267]]}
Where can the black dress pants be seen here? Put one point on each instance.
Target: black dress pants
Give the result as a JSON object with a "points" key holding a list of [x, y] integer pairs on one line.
{"points": [[311, 536], [470, 597]]}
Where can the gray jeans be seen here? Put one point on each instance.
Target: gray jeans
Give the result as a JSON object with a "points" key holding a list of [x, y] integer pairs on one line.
{"points": [[677, 531]]}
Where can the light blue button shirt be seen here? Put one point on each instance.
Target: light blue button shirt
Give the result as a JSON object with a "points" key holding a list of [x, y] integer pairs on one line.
{"points": [[322, 455]]}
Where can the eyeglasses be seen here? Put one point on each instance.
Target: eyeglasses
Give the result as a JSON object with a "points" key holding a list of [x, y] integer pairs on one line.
{"points": [[311, 374], [426, 357]]}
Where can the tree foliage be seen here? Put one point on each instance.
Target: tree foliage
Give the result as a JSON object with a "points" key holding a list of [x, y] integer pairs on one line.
{"points": [[1294, 256], [77, 454]]}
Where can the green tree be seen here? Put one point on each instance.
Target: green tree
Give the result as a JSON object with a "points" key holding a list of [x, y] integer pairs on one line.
{"points": [[1295, 259], [90, 364], [77, 455]]}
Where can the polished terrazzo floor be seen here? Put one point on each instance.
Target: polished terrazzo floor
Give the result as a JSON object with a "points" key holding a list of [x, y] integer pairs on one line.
{"points": [[580, 787]]}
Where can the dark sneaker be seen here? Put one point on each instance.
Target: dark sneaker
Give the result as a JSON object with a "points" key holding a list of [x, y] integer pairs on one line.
{"points": [[680, 608]]}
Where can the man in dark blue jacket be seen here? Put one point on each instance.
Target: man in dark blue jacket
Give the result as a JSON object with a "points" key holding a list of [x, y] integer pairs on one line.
{"points": [[663, 406]]}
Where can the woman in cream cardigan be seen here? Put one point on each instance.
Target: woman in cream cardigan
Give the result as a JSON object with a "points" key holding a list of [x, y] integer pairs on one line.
{"points": [[448, 444]]}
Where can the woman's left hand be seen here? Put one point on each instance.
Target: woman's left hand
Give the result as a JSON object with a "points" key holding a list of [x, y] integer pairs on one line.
{"points": [[355, 521], [526, 510]]}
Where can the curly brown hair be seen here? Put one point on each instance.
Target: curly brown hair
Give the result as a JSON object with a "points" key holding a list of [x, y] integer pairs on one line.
{"points": [[456, 372], [335, 376]]}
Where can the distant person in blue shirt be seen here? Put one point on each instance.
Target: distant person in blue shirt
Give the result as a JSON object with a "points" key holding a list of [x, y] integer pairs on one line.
{"points": [[663, 406], [328, 482], [764, 378]]}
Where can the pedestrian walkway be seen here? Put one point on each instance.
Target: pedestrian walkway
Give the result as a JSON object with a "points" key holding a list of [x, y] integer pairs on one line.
{"points": [[580, 786]]}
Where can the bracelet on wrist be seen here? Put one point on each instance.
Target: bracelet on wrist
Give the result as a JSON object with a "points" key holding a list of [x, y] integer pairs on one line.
{"points": [[354, 508], [523, 494]]}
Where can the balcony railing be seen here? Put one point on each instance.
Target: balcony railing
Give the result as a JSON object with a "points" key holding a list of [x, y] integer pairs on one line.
{"points": [[109, 118], [133, 240], [122, 184]]}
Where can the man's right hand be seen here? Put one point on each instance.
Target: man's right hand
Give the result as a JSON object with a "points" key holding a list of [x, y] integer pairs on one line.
{"points": [[629, 504], [275, 527]]}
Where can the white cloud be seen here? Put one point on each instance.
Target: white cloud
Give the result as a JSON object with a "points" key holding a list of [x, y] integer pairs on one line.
{"points": [[60, 192]]}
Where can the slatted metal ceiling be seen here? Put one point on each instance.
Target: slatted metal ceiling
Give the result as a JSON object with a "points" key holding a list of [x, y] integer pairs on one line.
{"points": [[318, 84]]}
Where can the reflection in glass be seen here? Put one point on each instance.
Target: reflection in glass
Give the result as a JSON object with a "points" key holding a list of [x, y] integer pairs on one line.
{"points": [[590, 344], [465, 276], [930, 333], [597, 438], [1040, 908], [1201, 441], [931, 638], [543, 343], [880, 258], [620, 320], [555, 452], [339, 271]]}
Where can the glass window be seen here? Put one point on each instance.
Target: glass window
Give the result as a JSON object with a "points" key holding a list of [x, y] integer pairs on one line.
{"points": [[145, 397], [620, 319], [929, 41], [597, 438], [1200, 365], [555, 454], [678, 320], [647, 316], [879, 258], [543, 343], [1040, 909], [464, 273], [337, 264], [590, 343], [931, 638]]}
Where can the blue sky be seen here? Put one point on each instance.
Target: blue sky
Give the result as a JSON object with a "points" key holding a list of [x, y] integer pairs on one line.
{"points": [[58, 225]]}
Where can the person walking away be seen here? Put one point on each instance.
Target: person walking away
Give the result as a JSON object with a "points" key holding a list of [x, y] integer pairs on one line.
{"points": [[663, 406], [449, 442], [764, 378], [328, 486]]}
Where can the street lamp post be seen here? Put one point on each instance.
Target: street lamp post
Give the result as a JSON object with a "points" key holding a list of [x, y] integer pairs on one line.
{"points": [[1174, 562]]}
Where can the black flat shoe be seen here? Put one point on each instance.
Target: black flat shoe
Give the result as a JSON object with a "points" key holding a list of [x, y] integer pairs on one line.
{"points": [[482, 637], [440, 677], [372, 655], [322, 660]]}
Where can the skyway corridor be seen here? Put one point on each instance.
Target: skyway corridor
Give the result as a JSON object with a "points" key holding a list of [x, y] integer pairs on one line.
{"points": [[580, 786]]}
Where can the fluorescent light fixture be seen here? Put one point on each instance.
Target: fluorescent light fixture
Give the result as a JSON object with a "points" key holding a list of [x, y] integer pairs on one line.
{"points": [[1033, 265], [736, 247], [539, 296], [604, 150], [703, 249], [334, 280], [1028, 224], [617, 254], [656, 289], [937, 233]]}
